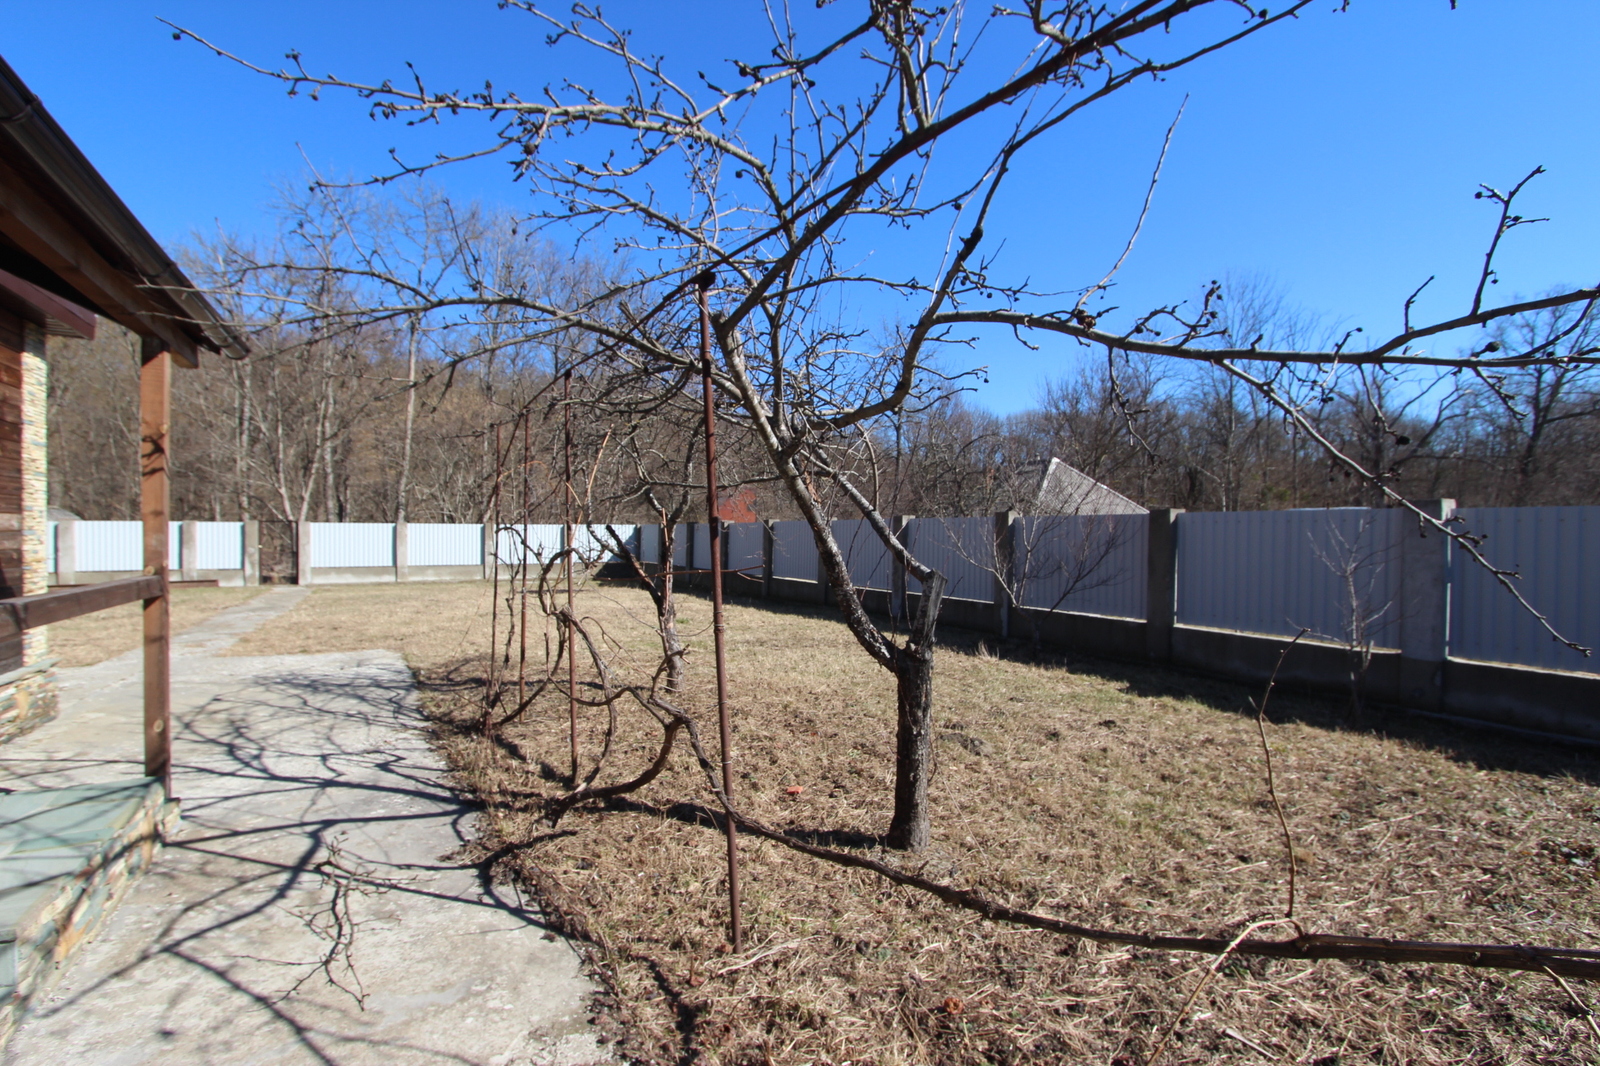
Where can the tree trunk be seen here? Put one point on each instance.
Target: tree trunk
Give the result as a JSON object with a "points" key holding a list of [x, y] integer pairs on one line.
{"points": [[913, 760], [908, 829]]}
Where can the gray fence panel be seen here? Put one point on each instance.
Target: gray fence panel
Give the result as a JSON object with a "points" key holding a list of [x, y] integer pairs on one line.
{"points": [[871, 565], [1556, 550], [355, 544], [542, 542], [1093, 564], [794, 551], [1280, 571], [744, 548], [50, 546], [443, 544], [219, 546], [594, 543], [648, 544], [962, 549], [702, 547]]}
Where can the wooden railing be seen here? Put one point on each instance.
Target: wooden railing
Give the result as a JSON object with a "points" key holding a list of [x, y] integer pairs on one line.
{"points": [[21, 613]]}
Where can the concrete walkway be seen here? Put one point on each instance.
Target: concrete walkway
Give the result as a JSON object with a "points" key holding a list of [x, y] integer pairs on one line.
{"points": [[309, 909]]}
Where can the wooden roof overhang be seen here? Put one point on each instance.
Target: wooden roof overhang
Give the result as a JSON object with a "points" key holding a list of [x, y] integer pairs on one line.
{"points": [[64, 234]]}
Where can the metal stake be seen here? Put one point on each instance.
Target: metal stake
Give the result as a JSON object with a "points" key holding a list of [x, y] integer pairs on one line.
{"points": [[572, 641], [718, 627]]}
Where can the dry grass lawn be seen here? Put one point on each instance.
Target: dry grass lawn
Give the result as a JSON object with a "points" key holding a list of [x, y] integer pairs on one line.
{"points": [[431, 623], [93, 638], [1112, 795]]}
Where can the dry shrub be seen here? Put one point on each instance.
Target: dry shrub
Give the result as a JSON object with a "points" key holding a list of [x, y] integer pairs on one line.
{"points": [[1124, 797]]}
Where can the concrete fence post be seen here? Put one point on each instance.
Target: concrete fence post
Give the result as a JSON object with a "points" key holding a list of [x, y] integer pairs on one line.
{"points": [[768, 536], [897, 569], [402, 551], [189, 551], [1161, 577], [302, 553], [66, 553], [1005, 557], [1424, 604], [251, 555]]}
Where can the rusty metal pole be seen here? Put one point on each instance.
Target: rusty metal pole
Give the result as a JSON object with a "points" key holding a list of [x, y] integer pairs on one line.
{"points": [[522, 601], [491, 687], [718, 627], [572, 637]]}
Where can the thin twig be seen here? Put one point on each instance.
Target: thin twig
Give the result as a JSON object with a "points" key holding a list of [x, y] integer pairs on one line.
{"points": [[1266, 751], [1205, 979], [1585, 1011]]}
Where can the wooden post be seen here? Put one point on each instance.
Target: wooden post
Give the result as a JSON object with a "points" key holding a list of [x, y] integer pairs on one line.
{"points": [[155, 404]]}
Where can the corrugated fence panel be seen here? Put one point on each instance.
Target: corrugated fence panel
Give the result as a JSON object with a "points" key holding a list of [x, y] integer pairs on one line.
{"points": [[110, 546], [1094, 564], [595, 544], [680, 546], [866, 554], [441, 544], [341, 544], [1333, 572], [702, 547], [1557, 552], [962, 549], [542, 542], [794, 551], [219, 546], [50, 546], [744, 548], [649, 544]]}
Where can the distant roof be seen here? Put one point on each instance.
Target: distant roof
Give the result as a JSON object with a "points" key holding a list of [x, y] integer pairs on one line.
{"points": [[63, 230], [1064, 490]]}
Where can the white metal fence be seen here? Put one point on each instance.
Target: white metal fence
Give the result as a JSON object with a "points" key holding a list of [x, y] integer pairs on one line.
{"points": [[438, 544], [352, 544]]}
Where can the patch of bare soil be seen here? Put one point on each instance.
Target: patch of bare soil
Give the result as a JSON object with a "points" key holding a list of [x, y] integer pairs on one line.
{"points": [[1114, 796]]}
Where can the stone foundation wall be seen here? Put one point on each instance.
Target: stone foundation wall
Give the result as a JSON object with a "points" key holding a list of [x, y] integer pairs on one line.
{"points": [[27, 699], [28, 695]]}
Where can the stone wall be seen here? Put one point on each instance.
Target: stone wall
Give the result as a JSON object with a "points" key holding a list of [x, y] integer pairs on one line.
{"points": [[28, 694]]}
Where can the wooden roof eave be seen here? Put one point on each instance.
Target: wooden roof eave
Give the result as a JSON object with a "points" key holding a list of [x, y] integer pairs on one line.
{"points": [[59, 210]]}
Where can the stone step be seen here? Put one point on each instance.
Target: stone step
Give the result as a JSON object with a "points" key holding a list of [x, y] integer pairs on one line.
{"points": [[66, 857]]}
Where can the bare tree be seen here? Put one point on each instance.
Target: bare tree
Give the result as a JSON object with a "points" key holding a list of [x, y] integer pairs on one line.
{"points": [[847, 130]]}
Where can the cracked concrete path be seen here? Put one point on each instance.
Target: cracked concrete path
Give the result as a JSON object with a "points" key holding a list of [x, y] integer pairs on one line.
{"points": [[309, 909]]}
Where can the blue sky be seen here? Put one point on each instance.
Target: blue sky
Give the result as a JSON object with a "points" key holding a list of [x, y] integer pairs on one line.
{"points": [[1336, 156]]}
